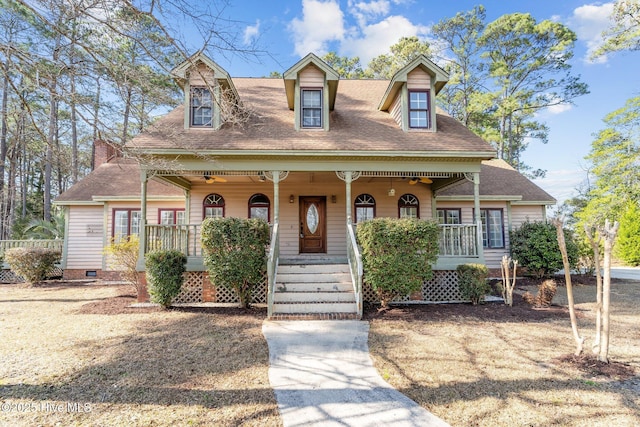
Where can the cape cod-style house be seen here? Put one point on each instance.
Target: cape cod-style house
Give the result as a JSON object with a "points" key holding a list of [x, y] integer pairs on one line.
{"points": [[313, 155]]}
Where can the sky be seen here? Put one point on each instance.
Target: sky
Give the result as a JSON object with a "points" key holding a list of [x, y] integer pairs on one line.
{"points": [[288, 30]]}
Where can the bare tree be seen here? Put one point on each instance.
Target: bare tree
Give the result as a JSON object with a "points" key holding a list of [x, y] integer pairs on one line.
{"points": [[609, 233], [595, 239], [559, 224]]}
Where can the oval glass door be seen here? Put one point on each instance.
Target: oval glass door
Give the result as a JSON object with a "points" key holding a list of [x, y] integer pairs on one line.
{"points": [[312, 219], [313, 224]]}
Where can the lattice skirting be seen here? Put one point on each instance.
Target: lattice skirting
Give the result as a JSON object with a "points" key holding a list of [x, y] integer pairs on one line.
{"points": [[443, 287], [8, 276], [194, 285]]}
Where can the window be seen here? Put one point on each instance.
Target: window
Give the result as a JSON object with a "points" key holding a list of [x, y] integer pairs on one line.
{"points": [[492, 226], [126, 222], [259, 207], [365, 208], [213, 206], [419, 109], [408, 206], [448, 216], [171, 216], [311, 108], [201, 107]]}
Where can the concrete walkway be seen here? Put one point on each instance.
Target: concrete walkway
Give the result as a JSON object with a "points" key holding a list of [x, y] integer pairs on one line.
{"points": [[322, 375]]}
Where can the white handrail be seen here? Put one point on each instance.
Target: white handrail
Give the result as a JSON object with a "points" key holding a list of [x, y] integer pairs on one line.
{"points": [[355, 266], [272, 267]]}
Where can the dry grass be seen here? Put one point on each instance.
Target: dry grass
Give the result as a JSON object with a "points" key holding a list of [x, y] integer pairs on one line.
{"points": [[65, 364], [488, 366]]}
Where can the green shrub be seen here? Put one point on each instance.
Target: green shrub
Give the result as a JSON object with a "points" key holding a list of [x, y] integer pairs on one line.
{"points": [[535, 246], [397, 255], [235, 253], [472, 279], [165, 270], [122, 256], [33, 264], [628, 244]]}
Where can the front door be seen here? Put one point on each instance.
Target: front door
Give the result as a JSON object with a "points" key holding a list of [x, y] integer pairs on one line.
{"points": [[313, 225]]}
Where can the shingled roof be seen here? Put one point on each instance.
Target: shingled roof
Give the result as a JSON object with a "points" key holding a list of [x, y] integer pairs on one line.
{"points": [[118, 179], [356, 124], [499, 179]]}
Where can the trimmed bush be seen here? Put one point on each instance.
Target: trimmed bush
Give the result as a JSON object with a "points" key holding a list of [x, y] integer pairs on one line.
{"points": [[33, 264], [165, 273], [535, 246], [472, 279], [397, 255], [235, 253]]}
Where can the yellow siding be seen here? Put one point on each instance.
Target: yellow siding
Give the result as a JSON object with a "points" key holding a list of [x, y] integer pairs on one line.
{"points": [[201, 76], [237, 196], [396, 110], [84, 242], [311, 76], [418, 79]]}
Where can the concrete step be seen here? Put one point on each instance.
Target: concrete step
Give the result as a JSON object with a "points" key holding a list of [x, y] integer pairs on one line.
{"points": [[323, 297], [314, 307], [313, 287], [313, 269], [314, 278]]}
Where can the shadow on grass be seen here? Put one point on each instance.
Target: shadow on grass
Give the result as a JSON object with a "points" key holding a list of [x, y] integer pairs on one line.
{"points": [[202, 358]]}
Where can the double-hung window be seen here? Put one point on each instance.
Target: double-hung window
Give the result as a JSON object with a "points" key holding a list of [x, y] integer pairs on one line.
{"points": [[126, 222], [448, 216], [171, 216], [311, 108], [419, 109], [492, 228], [201, 107]]}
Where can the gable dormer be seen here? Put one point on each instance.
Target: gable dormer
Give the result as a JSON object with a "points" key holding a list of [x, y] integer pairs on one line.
{"points": [[209, 93], [311, 86], [411, 95]]}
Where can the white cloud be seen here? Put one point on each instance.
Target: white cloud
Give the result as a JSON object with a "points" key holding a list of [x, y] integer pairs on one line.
{"points": [[251, 32], [367, 11], [588, 22], [321, 23], [374, 39], [558, 109]]}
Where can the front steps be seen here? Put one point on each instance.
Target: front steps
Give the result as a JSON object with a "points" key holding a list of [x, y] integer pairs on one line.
{"points": [[311, 291]]}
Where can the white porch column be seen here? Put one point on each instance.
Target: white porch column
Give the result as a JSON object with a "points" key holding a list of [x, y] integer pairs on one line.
{"points": [[276, 177], [476, 209], [143, 219], [348, 177]]}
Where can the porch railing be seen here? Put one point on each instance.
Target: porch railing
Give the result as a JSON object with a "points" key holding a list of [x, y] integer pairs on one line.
{"points": [[355, 265], [458, 240], [40, 243], [179, 237], [272, 266]]}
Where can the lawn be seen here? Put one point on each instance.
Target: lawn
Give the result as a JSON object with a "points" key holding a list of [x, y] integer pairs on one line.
{"points": [[77, 355], [492, 365]]}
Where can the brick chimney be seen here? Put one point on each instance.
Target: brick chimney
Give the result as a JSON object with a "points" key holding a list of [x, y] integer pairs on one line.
{"points": [[104, 152]]}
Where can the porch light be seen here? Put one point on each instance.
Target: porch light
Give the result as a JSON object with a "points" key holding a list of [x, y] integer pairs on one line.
{"points": [[392, 192], [291, 199], [334, 198]]}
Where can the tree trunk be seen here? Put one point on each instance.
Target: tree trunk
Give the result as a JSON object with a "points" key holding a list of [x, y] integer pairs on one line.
{"points": [[567, 276], [3, 147], [595, 246], [609, 234]]}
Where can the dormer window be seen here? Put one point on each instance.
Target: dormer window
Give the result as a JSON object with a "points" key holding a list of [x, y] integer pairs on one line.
{"points": [[201, 107], [419, 109], [311, 108]]}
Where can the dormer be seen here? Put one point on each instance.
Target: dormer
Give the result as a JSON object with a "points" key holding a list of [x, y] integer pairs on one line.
{"points": [[209, 93], [411, 95], [311, 86]]}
